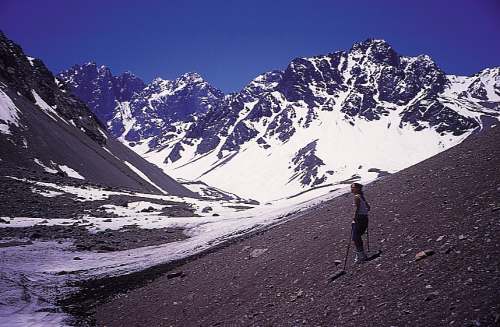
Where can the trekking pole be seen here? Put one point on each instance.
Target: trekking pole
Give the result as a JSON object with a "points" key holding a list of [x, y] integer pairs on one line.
{"points": [[348, 247], [342, 272]]}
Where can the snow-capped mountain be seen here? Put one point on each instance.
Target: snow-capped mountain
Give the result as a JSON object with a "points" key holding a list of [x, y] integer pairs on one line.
{"points": [[134, 111], [43, 129], [324, 120]]}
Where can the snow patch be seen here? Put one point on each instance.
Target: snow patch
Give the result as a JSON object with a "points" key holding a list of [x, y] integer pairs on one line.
{"points": [[46, 193], [9, 113], [31, 59], [50, 111], [70, 172], [143, 176], [47, 169]]}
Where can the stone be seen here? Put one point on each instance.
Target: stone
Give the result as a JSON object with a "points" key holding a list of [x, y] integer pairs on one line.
{"points": [[207, 209], [105, 248], [35, 235], [297, 295], [122, 203], [431, 296], [423, 254], [148, 209], [176, 274], [257, 252]]}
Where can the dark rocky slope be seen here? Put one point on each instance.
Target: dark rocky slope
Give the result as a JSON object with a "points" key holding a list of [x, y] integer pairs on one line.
{"points": [[54, 129], [449, 204]]}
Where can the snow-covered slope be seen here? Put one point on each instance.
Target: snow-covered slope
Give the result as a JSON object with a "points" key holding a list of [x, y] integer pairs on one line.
{"points": [[45, 129], [325, 120]]}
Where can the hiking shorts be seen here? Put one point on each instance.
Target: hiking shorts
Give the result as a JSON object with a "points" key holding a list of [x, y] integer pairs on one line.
{"points": [[359, 227]]}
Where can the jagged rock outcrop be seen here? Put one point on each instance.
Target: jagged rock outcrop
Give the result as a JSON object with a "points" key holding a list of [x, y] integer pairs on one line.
{"points": [[135, 111]]}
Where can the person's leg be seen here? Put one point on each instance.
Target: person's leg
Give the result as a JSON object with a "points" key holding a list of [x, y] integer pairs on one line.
{"points": [[356, 237], [358, 243], [359, 255], [361, 226]]}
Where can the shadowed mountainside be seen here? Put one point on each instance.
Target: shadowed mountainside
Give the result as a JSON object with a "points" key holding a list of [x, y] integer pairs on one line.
{"points": [[43, 129]]}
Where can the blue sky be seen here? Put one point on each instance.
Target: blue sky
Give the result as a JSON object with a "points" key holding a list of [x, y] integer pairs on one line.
{"points": [[231, 42]]}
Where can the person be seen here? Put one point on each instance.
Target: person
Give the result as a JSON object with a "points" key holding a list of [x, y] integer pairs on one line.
{"points": [[360, 221]]}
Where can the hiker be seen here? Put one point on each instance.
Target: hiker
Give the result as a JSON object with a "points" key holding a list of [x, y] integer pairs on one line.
{"points": [[360, 221]]}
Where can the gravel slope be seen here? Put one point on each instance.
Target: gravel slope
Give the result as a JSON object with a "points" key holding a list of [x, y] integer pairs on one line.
{"points": [[449, 204]]}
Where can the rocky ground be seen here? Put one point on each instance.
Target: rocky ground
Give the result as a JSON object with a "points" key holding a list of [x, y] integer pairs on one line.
{"points": [[19, 199], [109, 240], [447, 206]]}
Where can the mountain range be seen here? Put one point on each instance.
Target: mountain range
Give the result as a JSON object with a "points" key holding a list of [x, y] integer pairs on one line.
{"points": [[320, 122]]}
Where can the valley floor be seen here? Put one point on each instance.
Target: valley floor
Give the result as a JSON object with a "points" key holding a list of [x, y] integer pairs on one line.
{"points": [[449, 204], [66, 245]]}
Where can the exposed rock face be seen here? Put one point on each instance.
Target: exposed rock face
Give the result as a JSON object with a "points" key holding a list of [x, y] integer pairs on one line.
{"points": [[306, 165], [373, 78], [99, 89], [25, 74], [136, 111]]}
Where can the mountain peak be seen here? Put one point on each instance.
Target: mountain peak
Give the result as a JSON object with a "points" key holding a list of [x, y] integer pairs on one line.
{"points": [[265, 82], [494, 71], [370, 43], [128, 73], [157, 80], [380, 51], [92, 64], [129, 76], [191, 77]]}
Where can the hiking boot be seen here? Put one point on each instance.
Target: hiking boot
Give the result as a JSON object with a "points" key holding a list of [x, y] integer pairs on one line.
{"points": [[360, 257]]}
